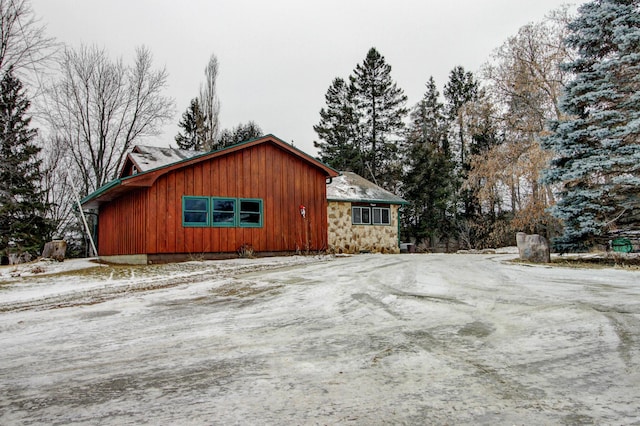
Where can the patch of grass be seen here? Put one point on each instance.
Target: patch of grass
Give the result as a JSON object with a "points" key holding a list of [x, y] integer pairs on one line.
{"points": [[598, 262], [246, 251], [602, 261]]}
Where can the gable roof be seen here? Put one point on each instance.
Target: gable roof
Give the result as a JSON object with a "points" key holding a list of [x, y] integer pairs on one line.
{"points": [[146, 158], [351, 187], [146, 178]]}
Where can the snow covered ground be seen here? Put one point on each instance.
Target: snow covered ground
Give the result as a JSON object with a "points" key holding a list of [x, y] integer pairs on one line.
{"points": [[369, 339]]}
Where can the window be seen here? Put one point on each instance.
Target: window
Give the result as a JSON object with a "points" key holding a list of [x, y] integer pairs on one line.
{"points": [[195, 211], [222, 212], [381, 216], [250, 213], [361, 215], [366, 215]]}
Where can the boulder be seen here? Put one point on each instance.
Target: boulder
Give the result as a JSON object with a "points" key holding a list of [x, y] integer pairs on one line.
{"points": [[17, 258], [55, 250], [533, 248]]}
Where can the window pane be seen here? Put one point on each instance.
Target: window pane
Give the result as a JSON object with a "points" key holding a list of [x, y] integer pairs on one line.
{"points": [[195, 217], [365, 215], [356, 215], [195, 204], [253, 218], [250, 206], [377, 216], [386, 219], [223, 217], [224, 205]]}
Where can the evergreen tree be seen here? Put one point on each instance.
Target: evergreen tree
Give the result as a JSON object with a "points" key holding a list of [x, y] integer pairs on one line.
{"points": [[338, 130], [427, 179], [240, 133], [193, 135], [23, 227], [381, 106], [597, 147], [460, 92]]}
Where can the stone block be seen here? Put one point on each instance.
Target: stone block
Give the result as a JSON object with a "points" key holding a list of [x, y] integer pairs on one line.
{"points": [[56, 250], [533, 248]]}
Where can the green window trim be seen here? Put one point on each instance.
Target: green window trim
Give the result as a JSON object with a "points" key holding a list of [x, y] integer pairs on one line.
{"points": [[250, 213], [195, 211], [222, 212]]}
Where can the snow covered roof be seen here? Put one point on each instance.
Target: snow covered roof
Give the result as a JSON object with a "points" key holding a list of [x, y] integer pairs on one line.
{"points": [[352, 187], [148, 158]]}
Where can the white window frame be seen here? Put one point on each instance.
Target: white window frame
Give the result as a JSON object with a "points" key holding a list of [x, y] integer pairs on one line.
{"points": [[358, 213]]}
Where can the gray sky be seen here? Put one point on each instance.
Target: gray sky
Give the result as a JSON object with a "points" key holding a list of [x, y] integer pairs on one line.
{"points": [[278, 57]]}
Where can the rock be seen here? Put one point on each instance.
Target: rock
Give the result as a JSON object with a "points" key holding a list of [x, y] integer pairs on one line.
{"points": [[17, 258], [533, 248], [55, 250]]}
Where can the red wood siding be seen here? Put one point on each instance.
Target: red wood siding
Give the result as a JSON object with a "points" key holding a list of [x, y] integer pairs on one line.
{"points": [[265, 171], [122, 224]]}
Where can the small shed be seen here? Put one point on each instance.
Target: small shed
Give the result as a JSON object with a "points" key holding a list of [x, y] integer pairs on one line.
{"points": [[362, 216], [172, 205]]}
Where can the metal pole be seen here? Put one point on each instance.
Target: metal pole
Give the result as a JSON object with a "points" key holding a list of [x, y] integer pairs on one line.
{"points": [[84, 219]]}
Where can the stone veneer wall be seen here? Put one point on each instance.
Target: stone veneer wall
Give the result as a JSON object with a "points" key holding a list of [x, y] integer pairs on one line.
{"points": [[347, 238]]}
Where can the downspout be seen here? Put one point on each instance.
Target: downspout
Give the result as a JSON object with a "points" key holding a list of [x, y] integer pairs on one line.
{"points": [[399, 207]]}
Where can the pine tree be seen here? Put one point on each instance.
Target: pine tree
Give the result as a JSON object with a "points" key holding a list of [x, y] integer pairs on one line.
{"points": [[23, 226], [338, 130], [597, 147], [460, 91], [381, 104], [427, 179], [240, 133], [193, 135]]}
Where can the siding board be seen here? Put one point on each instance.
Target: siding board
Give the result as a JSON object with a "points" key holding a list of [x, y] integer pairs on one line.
{"points": [[152, 214], [171, 213], [179, 236]]}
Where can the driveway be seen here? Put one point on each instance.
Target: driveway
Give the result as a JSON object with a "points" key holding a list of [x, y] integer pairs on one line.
{"points": [[370, 339]]}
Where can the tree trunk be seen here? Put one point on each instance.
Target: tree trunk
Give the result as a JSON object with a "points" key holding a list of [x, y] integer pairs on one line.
{"points": [[55, 250]]}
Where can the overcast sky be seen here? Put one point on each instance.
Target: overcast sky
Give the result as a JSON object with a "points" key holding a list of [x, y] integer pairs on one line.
{"points": [[278, 57]]}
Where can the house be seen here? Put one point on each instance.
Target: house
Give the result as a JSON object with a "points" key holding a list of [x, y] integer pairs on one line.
{"points": [[363, 217], [167, 205]]}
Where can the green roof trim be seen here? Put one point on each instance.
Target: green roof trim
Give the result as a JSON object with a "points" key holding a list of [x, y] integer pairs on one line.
{"points": [[104, 188]]}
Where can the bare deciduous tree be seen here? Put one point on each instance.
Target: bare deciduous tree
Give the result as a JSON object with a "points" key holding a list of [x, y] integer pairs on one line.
{"points": [[99, 108], [526, 82], [56, 188], [210, 103], [23, 42]]}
